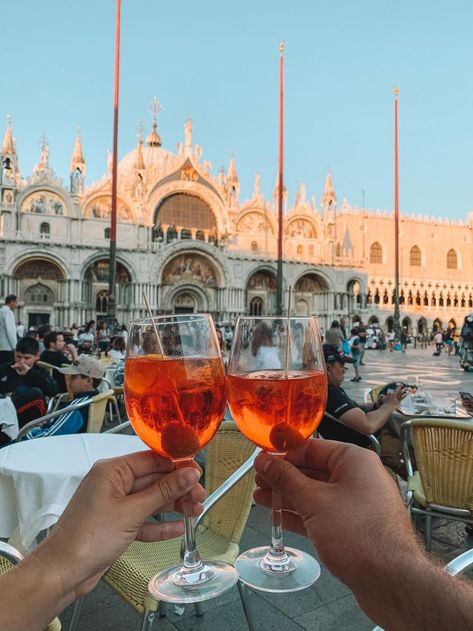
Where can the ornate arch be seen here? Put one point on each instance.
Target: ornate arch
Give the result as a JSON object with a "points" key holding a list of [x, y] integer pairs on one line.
{"points": [[39, 255], [99, 205], [207, 194], [253, 220], [329, 285], [94, 258], [214, 255], [46, 200], [301, 226]]}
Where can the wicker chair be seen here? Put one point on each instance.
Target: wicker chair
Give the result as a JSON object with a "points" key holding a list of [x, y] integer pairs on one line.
{"points": [[9, 556], [458, 565], [372, 395], [229, 459], [442, 484], [97, 406]]}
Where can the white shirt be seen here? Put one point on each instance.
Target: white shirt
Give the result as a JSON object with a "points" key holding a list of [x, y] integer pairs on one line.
{"points": [[7, 329]]}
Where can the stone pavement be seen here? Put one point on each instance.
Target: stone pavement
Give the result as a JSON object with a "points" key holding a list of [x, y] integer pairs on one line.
{"points": [[328, 605]]}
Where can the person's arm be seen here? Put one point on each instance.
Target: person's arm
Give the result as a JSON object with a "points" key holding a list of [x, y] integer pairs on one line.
{"points": [[342, 498], [36, 378], [372, 421], [72, 350], [108, 511]]}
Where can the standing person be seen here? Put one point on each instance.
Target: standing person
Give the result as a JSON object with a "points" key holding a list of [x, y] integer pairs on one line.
{"points": [[355, 348], [43, 330], [124, 333], [403, 340], [438, 341], [334, 335], [362, 334], [391, 340], [8, 337], [456, 341], [20, 330], [86, 339]]}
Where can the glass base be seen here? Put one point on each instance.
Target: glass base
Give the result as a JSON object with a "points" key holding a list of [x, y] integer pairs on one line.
{"points": [[306, 571], [176, 585]]}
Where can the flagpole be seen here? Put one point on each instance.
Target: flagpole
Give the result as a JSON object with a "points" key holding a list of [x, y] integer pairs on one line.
{"points": [[397, 315], [112, 302], [280, 306]]}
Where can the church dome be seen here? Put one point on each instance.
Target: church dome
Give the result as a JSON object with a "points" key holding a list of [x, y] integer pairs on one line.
{"points": [[154, 158]]}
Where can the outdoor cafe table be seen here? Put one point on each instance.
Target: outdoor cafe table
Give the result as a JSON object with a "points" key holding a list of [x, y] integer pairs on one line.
{"points": [[431, 409], [38, 478]]}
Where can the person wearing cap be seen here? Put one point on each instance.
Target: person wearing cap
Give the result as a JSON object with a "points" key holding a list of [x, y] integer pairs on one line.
{"points": [[356, 421], [86, 374], [334, 335]]}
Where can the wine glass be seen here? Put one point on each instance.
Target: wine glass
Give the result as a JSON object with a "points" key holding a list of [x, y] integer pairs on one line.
{"points": [[175, 393], [277, 391]]}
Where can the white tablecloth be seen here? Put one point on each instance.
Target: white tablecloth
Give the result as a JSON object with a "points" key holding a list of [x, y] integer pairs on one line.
{"points": [[38, 477], [8, 418]]}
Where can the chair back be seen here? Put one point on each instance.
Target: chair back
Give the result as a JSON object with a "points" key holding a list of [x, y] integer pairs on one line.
{"points": [[224, 454], [97, 408], [48, 367], [443, 451], [374, 393]]}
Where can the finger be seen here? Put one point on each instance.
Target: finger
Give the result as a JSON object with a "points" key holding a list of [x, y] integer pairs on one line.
{"points": [[166, 491], [265, 498], [150, 478], [189, 509], [312, 473], [160, 532]]}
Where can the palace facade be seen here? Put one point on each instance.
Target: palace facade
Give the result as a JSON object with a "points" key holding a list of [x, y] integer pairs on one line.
{"points": [[186, 239]]}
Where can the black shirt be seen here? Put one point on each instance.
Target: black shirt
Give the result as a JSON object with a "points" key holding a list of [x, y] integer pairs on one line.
{"points": [[36, 377], [338, 402], [56, 358]]}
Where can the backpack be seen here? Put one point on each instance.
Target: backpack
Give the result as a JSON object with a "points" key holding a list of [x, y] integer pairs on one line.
{"points": [[467, 332]]}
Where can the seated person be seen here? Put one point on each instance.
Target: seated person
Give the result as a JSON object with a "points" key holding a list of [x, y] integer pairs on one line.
{"points": [[117, 351], [28, 384], [86, 375], [54, 354], [358, 421]]}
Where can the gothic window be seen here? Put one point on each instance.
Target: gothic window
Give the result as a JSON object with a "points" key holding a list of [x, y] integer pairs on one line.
{"points": [[200, 235], [470, 301], [39, 295], [186, 233], [449, 300], [402, 300], [410, 299], [455, 301], [418, 302], [254, 246], [376, 253], [181, 209], [376, 297], [369, 298], [426, 299], [385, 297], [441, 299], [106, 233], [434, 300], [256, 306], [44, 230], [452, 260], [463, 301], [415, 256]]}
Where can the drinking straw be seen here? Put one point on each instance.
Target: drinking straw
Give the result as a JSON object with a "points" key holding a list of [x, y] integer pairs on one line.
{"points": [[160, 348]]}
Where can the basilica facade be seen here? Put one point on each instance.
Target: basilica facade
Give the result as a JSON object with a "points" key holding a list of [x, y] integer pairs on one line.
{"points": [[187, 240]]}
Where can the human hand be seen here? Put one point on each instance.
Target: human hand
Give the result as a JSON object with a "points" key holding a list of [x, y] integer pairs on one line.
{"points": [[342, 498], [393, 399], [20, 367], [109, 510]]}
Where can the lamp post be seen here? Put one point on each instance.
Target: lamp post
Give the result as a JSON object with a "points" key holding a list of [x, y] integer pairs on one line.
{"points": [[397, 315], [279, 297], [112, 300]]}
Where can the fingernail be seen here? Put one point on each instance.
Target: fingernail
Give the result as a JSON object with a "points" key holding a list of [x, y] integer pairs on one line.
{"points": [[266, 461], [188, 477]]}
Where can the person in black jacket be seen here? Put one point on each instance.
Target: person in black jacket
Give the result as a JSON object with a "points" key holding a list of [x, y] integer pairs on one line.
{"points": [[55, 354], [28, 384]]}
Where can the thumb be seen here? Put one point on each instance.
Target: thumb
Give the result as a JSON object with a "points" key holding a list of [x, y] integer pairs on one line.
{"points": [[169, 488], [285, 477]]}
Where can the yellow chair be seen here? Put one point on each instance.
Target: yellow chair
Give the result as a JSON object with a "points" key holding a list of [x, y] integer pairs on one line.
{"points": [[9, 557], [97, 407], [48, 367], [441, 485], [229, 459]]}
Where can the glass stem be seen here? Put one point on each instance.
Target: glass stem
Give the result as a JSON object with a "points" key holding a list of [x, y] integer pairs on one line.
{"points": [[276, 560], [190, 558]]}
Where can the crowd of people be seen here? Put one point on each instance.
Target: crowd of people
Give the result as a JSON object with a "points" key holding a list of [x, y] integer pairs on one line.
{"points": [[42, 363]]}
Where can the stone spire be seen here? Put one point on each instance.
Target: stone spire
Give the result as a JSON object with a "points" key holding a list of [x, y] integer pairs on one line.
{"points": [[232, 176], [139, 161], [8, 146], [188, 138], [328, 199], [77, 160], [233, 185]]}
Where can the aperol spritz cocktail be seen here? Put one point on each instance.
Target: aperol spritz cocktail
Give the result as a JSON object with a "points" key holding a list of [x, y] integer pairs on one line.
{"points": [[277, 391], [175, 394]]}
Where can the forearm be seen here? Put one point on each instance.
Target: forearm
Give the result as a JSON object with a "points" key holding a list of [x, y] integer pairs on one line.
{"points": [[377, 418], [412, 593], [34, 592]]}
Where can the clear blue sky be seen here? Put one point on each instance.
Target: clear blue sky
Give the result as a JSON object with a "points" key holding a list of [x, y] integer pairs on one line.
{"points": [[217, 63]]}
